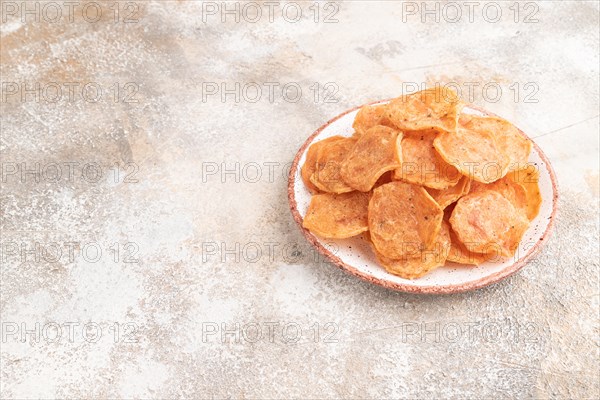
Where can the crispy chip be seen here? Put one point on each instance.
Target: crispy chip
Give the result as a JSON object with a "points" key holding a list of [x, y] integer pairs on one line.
{"points": [[403, 218], [374, 153], [310, 165], [337, 215], [487, 221], [421, 163], [428, 109], [508, 138], [475, 154], [529, 178], [421, 262], [368, 117], [464, 119], [463, 254], [387, 177], [329, 161], [512, 191], [459, 253], [445, 197]]}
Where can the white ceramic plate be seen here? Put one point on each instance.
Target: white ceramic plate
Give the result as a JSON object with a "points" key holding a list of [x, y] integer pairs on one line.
{"points": [[355, 256]]}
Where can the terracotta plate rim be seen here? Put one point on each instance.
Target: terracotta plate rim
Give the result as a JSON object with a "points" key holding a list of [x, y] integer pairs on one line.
{"points": [[428, 289]]}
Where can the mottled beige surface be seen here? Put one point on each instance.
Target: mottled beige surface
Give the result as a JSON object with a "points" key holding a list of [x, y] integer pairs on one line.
{"points": [[533, 335]]}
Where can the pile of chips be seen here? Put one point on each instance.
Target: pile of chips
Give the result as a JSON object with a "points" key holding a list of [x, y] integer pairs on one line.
{"points": [[424, 183]]}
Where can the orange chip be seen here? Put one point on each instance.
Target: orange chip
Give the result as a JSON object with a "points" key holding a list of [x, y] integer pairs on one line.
{"points": [[421, 163], [459, 253], [329, 161], [509, 139], [475, 154], [368, 117], [512, 191], [375, 152], [403, 218], [420, 262], [337, 215], [487, 221], [445, 197], [529, 178], [385, 178], [464, 119], [310, 164], [435, 108]]}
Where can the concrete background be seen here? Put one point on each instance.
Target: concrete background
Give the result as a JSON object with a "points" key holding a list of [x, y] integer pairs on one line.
{"points": [[163, 261]]}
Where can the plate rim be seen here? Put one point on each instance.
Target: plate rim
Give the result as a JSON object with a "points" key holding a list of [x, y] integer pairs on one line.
{"points": [[426, 289]]}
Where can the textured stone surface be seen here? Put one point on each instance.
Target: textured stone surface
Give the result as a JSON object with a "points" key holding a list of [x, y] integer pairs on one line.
{"points": [[200, 238]]}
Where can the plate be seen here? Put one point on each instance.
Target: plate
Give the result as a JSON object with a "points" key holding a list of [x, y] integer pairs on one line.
{"points": [[354, 255]]}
